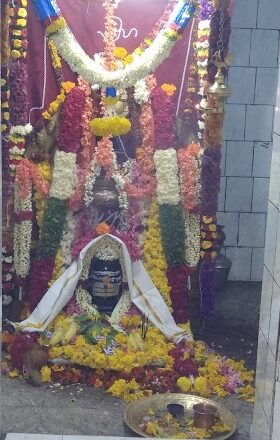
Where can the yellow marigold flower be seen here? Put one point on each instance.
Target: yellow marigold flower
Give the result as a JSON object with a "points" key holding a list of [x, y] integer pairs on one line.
{"points": [[22, 12], [138, 51], [152, 429], [114, 125], [128, 59], [201, 386], [46, 374], [56, 61], [6, 116], [56, 25], [206, 244], [24, 3], [148, 41], [185, 384], [46, 115], [118, 388], [21, 22], [110, 100], [3, 127], [80, 341], [15, 53], [169, 89], [14, 373], [5, 104], [16, 32], [17, 43], [173, 35], [213, 227], [120, 52]]}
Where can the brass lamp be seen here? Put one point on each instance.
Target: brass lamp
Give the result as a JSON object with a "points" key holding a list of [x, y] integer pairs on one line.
{"points": [[218, 92]]}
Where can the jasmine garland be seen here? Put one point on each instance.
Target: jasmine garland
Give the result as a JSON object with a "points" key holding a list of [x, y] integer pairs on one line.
{"points": [[168, 190]]}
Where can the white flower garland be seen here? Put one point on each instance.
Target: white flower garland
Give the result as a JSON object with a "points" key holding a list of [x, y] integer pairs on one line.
{"points": [[168, 188], [22, 234], [106, 249], [94, 73], [64, 175], [120, 310], [192, 239], [15, 151], [90, 181], [21, 130], [84, 302], [67, 239], [141, 91]]}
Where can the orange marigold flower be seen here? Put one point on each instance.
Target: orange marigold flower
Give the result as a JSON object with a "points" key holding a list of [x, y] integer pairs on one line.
{"points": [[102, 228]]}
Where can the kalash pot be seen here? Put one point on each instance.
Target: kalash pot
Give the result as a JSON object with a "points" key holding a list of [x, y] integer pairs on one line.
{"points": [[105, 195], [104, 284], [222, 264]]}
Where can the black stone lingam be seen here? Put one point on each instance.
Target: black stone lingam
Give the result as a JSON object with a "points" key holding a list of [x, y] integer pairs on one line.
{"points": [[105, 284]]}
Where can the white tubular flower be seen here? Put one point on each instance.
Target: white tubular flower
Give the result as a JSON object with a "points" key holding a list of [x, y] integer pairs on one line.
{"points": [[168, 189], [192, 239], [21, 130], [64, 175], [141, 91]]}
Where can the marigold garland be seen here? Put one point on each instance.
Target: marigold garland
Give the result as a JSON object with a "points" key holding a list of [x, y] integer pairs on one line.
{"points": [[110, 126], [56, 104], [154, 260]]}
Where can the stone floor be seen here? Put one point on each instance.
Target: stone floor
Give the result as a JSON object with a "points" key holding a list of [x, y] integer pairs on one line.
{"points": [[81, 410]]}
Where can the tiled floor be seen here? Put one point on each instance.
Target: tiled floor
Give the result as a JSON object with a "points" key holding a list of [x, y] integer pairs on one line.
{"points": [[78, 411]]}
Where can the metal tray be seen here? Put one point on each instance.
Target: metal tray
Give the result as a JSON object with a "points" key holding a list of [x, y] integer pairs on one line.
{"points": [[135, 411]]}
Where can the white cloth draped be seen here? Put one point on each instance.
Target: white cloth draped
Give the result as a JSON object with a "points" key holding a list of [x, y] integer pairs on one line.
{"points": [[143, 293]]}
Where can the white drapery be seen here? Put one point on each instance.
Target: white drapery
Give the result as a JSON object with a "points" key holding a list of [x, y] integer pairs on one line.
{"points": [[143, 293]]}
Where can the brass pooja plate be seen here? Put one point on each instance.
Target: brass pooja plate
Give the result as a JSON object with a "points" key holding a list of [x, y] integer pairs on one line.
{"points": [[135, 411]]}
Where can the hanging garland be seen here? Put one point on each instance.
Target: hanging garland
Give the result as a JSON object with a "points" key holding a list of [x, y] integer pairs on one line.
{"points": [[142, 65], [62, 188], [154, 260]]}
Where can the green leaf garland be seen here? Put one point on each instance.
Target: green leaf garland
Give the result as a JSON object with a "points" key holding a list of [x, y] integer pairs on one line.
{"points": [[172, 233], [53, 226]]}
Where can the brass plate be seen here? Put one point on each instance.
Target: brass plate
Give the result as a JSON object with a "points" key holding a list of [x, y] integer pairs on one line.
{"points": [[135, 411]]}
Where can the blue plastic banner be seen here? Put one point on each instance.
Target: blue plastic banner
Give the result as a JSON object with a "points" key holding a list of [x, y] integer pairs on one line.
{"points": [[45, 9], [185, 15]]}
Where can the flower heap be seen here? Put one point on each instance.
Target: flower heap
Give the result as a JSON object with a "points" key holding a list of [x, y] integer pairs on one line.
{"points": [[62, 188], [168, 198], [134, 367]]}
